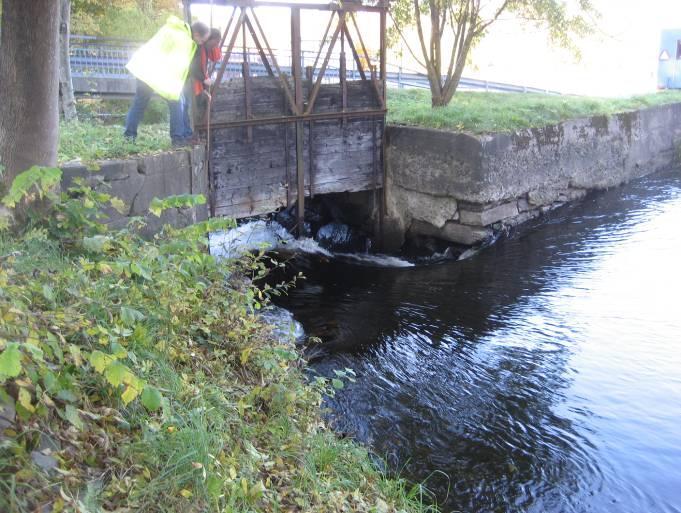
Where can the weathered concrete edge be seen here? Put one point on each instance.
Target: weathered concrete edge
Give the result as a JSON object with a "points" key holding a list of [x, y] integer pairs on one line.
{"points": [[137, 180], [461, 187]]}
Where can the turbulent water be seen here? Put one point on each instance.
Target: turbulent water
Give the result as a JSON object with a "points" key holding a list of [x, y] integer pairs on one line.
{"points": [[542, 374]]}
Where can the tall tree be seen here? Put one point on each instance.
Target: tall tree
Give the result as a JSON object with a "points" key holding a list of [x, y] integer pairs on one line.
{"points": [[29, 85], [67, 99], [448, 29]]}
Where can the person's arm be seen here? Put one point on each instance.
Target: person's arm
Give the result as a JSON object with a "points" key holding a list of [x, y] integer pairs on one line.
{"points": [[195, 71], [215, 54]]}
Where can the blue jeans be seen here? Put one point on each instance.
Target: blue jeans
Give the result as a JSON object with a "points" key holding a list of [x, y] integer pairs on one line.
{"points": [[142, 96]]}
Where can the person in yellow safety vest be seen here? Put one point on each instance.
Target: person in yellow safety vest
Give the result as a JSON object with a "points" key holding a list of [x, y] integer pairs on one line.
{"points": [[161, 66]]}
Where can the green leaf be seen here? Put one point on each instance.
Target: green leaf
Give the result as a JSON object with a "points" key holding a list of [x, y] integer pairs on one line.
{"points": [[25, 399], [97, 244], [157, 206], [140, 270], [151, 398], [71, 414], [119, 352], [337, 383], [42, 178], [130, 316], [118, 204], [130, 393], [100, 361], [48, 293], [117, 374], [245, 354], [10, 361]]}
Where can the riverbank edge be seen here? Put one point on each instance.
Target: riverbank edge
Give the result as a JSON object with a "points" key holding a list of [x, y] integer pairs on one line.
{"points": [[465, 188], [137, 375]]}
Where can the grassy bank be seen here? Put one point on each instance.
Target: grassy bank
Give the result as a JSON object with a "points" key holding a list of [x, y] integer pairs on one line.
{"points": [[136, 376], [92, 140], [500, 112]]}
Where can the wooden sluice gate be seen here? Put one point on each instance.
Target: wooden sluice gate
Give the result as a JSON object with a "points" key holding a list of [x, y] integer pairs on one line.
{"points": [[277, 138]]}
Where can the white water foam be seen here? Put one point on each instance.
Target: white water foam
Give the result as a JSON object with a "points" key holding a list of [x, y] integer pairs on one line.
{"points": [[270, 235]]}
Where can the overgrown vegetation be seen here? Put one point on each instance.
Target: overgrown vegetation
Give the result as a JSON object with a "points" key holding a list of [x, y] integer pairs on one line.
{"points": [[91, 140], [447, 30], [129, 19], [502, 112], [113, 111], [136, 376]]}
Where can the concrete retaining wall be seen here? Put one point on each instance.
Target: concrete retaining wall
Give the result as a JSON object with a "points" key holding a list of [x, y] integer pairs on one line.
{"points": [[461, 187], [138, 180]]}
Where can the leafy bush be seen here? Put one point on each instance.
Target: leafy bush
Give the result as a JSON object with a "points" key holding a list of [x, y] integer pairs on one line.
{"points": [[142, 379]]}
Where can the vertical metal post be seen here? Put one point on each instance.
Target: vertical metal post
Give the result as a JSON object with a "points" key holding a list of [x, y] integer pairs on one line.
{"points": [[383, 54], [298, 93], [246, 73], [384, 164], [342, 68]]}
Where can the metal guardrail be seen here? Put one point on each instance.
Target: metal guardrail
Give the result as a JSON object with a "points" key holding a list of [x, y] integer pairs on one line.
{"points": [[105, 58], [100, 57]]}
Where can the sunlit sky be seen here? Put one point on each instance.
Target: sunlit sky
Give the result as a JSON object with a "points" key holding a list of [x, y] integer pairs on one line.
{"points": [[620, 58]]}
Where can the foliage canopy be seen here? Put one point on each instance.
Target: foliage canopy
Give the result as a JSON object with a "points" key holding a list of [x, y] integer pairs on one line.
{"points": [[447, 30]]}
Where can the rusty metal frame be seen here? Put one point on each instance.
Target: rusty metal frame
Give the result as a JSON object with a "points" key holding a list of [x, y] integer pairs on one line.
{"points": [[318, 116], [331, 6], [323, 41], [318, 84], [303, 111], [245, 22]]}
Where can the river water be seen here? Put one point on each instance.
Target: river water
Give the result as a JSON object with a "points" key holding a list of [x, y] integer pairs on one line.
{"points": [[541, 375]]}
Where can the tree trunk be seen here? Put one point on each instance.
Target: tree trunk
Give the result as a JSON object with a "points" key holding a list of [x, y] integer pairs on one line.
{"points": [[67, 99], [29, 82]]}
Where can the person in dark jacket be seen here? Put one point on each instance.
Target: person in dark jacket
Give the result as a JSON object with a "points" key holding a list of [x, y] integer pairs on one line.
{"points": [[199, 80]]}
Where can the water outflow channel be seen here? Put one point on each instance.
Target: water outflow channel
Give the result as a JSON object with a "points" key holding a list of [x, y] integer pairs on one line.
{"points": [[541, 375]]}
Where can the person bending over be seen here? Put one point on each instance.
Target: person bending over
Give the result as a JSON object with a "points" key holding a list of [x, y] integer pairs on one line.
{"points": [[161, 66]]}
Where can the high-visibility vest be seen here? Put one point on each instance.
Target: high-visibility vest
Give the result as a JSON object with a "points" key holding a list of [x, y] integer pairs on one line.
{"points": [[163, 61]]}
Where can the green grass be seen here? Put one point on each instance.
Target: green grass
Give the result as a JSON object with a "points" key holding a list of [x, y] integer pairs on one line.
{"points": [[502, 112], [93, 319], [90, 141]]}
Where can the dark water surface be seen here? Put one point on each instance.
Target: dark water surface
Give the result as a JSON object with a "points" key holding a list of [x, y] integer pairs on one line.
{"points": [[541, 375]]}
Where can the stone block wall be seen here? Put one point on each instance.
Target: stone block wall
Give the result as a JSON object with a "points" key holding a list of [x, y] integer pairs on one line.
{"points": [[138, 180], [461, 187]]}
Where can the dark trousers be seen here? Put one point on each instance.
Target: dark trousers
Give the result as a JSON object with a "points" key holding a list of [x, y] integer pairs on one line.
{"points": [[143, 94]]}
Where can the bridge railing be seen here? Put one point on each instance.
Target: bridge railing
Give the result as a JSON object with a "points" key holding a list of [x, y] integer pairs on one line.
{"points": [[101, 57], [93, 56]]}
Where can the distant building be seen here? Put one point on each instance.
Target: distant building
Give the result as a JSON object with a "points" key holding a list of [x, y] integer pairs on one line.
{"points": [[669, 60]]}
